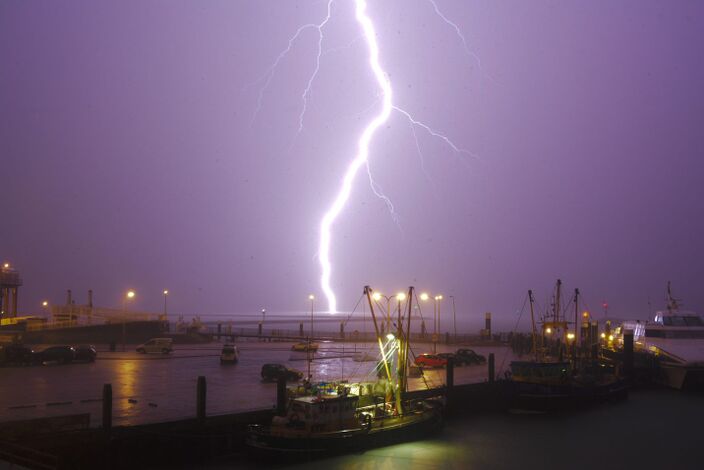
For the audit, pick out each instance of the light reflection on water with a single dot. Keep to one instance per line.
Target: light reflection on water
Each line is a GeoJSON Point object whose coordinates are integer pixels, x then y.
{"type": "Point", "coordinates": [653, 429]}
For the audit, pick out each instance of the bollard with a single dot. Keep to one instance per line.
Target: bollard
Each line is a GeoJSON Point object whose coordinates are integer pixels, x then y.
{"type": "Point", "coordinates": [281, 396]}
{"type": "Point", "coordinates": [201, 393]}
{"type": "Point", "coordinates": [491, 367]}
{"type": "Point", "coordinates": [342, 330]}
{"type": "Point", "coordinates": [628, 354]}
{"type": "Point", "coordinates": [450, 384]}
{"type": "Point", "coordinates": [107, 407]}
{"type": "Point", "coordinates": [300, 329]}
{"type": "Point", "coordinates": [450, 373]}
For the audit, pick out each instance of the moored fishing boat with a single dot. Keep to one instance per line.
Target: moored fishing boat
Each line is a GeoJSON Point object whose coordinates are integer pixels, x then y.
{"type": "Point", "coordinates": [350, 417]}
{"type": "Point", "coordinates": [549, 383]}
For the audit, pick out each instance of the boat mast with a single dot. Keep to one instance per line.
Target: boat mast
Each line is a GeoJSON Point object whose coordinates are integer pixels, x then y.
{"type": "Point", "coordinates": [576, 320]}
{"type": "Point", "coordinates": [532, 322]}
{"type": "Point", "coordinates": [411, 294]}
{"type": "Point", "coordinates": [671, 301]}
{"type": "Point", "coordinates": [368, 293]}
{"type": "Point", "coordinates": [557, 309]}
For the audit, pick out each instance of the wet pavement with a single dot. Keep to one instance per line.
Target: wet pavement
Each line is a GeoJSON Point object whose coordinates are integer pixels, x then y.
{"type": "Point", "coordinates": [153, 388]}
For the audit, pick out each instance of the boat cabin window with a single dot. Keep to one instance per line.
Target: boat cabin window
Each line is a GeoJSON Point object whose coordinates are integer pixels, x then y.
{"type": "Point", "coordinates": [679, 320]}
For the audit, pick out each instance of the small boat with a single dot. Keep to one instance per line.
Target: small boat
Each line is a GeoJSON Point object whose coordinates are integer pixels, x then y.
{"type": "Point", "coordinates": [365, 356]}
{"type": "Point", "coordinates": [305, 346]}
{"type": "Point", "coordinates": [345, 417]}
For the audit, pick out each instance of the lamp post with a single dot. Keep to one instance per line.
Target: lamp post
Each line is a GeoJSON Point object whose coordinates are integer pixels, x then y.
{"type": "Point", "coordinates": [311, 297]}
{"type": "Point", "coordinates": [436, 327]}
{"type": "Point", "coordinates": [454, 317]}
{"type": "Point", "coordinates": [128, 296]}
{"type": "Point", "coordinates": [166, 292]}
{"type": "Point", "coordinates": [377, 296]}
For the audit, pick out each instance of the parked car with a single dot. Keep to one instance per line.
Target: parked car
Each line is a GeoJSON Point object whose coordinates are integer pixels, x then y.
{"type": "Point", "coordinates": [56, 354]}
{"type": "Point", "coordinates": [16, 354]}
{"type": "Point", "coordinates": [229, 354]}
{"type": "Point", "coordinates": [156, 345]}
{"type": "Point", "coordinates": [468, 356]}
{"type": "Point", "coordinates": [85, 353]}
{"type": "Point", "coordinates": [272, 372]}
{"type": "Point", "coordinates": [430, 360]}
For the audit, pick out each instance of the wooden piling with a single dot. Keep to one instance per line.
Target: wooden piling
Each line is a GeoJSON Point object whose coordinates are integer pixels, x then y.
{"type": "Point", "coordinates": [628, 354]}
{"type": "Point", "coordinates": [491, 367]}
{"type": "Point", "coordinates": [107, 407]}
{"type": "Point", "coordinates": [281, 396]}
{"type": "Point", "coordinates": [201, 393]}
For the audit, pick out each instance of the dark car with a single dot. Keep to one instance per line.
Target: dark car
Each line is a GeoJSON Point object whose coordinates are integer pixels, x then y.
{"type": "Point", "coordinates": [272, 372]}
{"type": "Point", "coordinates": [56, 354]}
{"type": "Point", "coordinates": [85, 353]}
{"type": "Point", "coordinates": [16, 354]}
{"type": "Point", "coordinates": [468, 356]}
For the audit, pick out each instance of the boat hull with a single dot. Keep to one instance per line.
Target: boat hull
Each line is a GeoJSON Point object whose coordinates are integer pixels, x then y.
{"type": "Point", "coordinates": [387, 431]}
{"type": "Point", "coordinates": [552, 397]}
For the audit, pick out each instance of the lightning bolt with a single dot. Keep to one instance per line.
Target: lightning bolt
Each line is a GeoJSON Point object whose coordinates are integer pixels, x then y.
{"type": "Point", "coordinates": [362, 156]}
{"type": "Point", "coordinates": [362, 152]}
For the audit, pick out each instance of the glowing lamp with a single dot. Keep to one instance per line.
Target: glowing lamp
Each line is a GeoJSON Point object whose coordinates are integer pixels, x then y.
{"type": "Point", "coordinates": [130, 294]}
{"type": "Point", "coordinates": [376, 296]}
{"type": "Point", "coordinates": [166, 292]}
{"type": "Point", "coordinates": [603, 335]}
{"type": "Point", "coordinates": [45, 303]}
{"type": "Point", "coordinates": [311, 297]}
{"type": "Point", "coordinates": [548, 330]}
{"type": "Point", "coordinates": [401, 296]}
{"type": "Point", "coordinates": [390, 337]}
{"type": "Point", "coordinates": [570, 336]}
{"type": "Point", "coordinates": [424, 296]}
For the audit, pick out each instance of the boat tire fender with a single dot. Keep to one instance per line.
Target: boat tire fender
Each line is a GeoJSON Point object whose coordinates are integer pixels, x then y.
{"type": "Point", "coordinates": [367, 421]}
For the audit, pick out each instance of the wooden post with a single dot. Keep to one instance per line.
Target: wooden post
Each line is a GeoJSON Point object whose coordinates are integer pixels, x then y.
{"type": "Point", "coordinates": [107, 407]}
{"type": "Point", "coordinates": [491, 367]}
{"type": "Point", "coordinates": [281, 396]}
{"type": "Point", "coordinates": [450, 384]}
{"type": "Point", "coordinates": [342, 330]}
{"type": "Point", "coordinates": [201, 392]}
{"type": "Point", "coordinates": [628, 354]}
{"type": "Point", "coordinates": [450, 373]}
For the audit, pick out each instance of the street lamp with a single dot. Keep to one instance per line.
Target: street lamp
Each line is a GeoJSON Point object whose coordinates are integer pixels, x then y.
{"type": "Point", "coordinates": [377, 296]}
{"type": "Point", "coordinates": [128, 296]}
{"type": "Point", "coordinates": [311, 297]}
{"type": "Point", "coordinates": [436, 327]}
{"type": "Point", "coordinates": [45, 303]}
{"type": "Point", "coordinates": [454, 316]}
{"type": "Point", "coordinates": [166, 292]}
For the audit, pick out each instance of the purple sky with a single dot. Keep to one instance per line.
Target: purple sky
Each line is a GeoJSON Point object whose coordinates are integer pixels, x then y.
{"type": "Point", "coordinates": [130, 157]}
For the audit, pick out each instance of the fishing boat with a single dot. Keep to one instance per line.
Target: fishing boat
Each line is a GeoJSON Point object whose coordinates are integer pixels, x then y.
{"type": "Point", "coordinates": [353, 417]}
{"type": "Point", "coordinates": [549, 382]}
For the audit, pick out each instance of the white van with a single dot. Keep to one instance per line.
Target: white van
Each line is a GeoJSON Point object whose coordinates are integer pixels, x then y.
{"type": "Point", "coordinates": [156, 345]}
